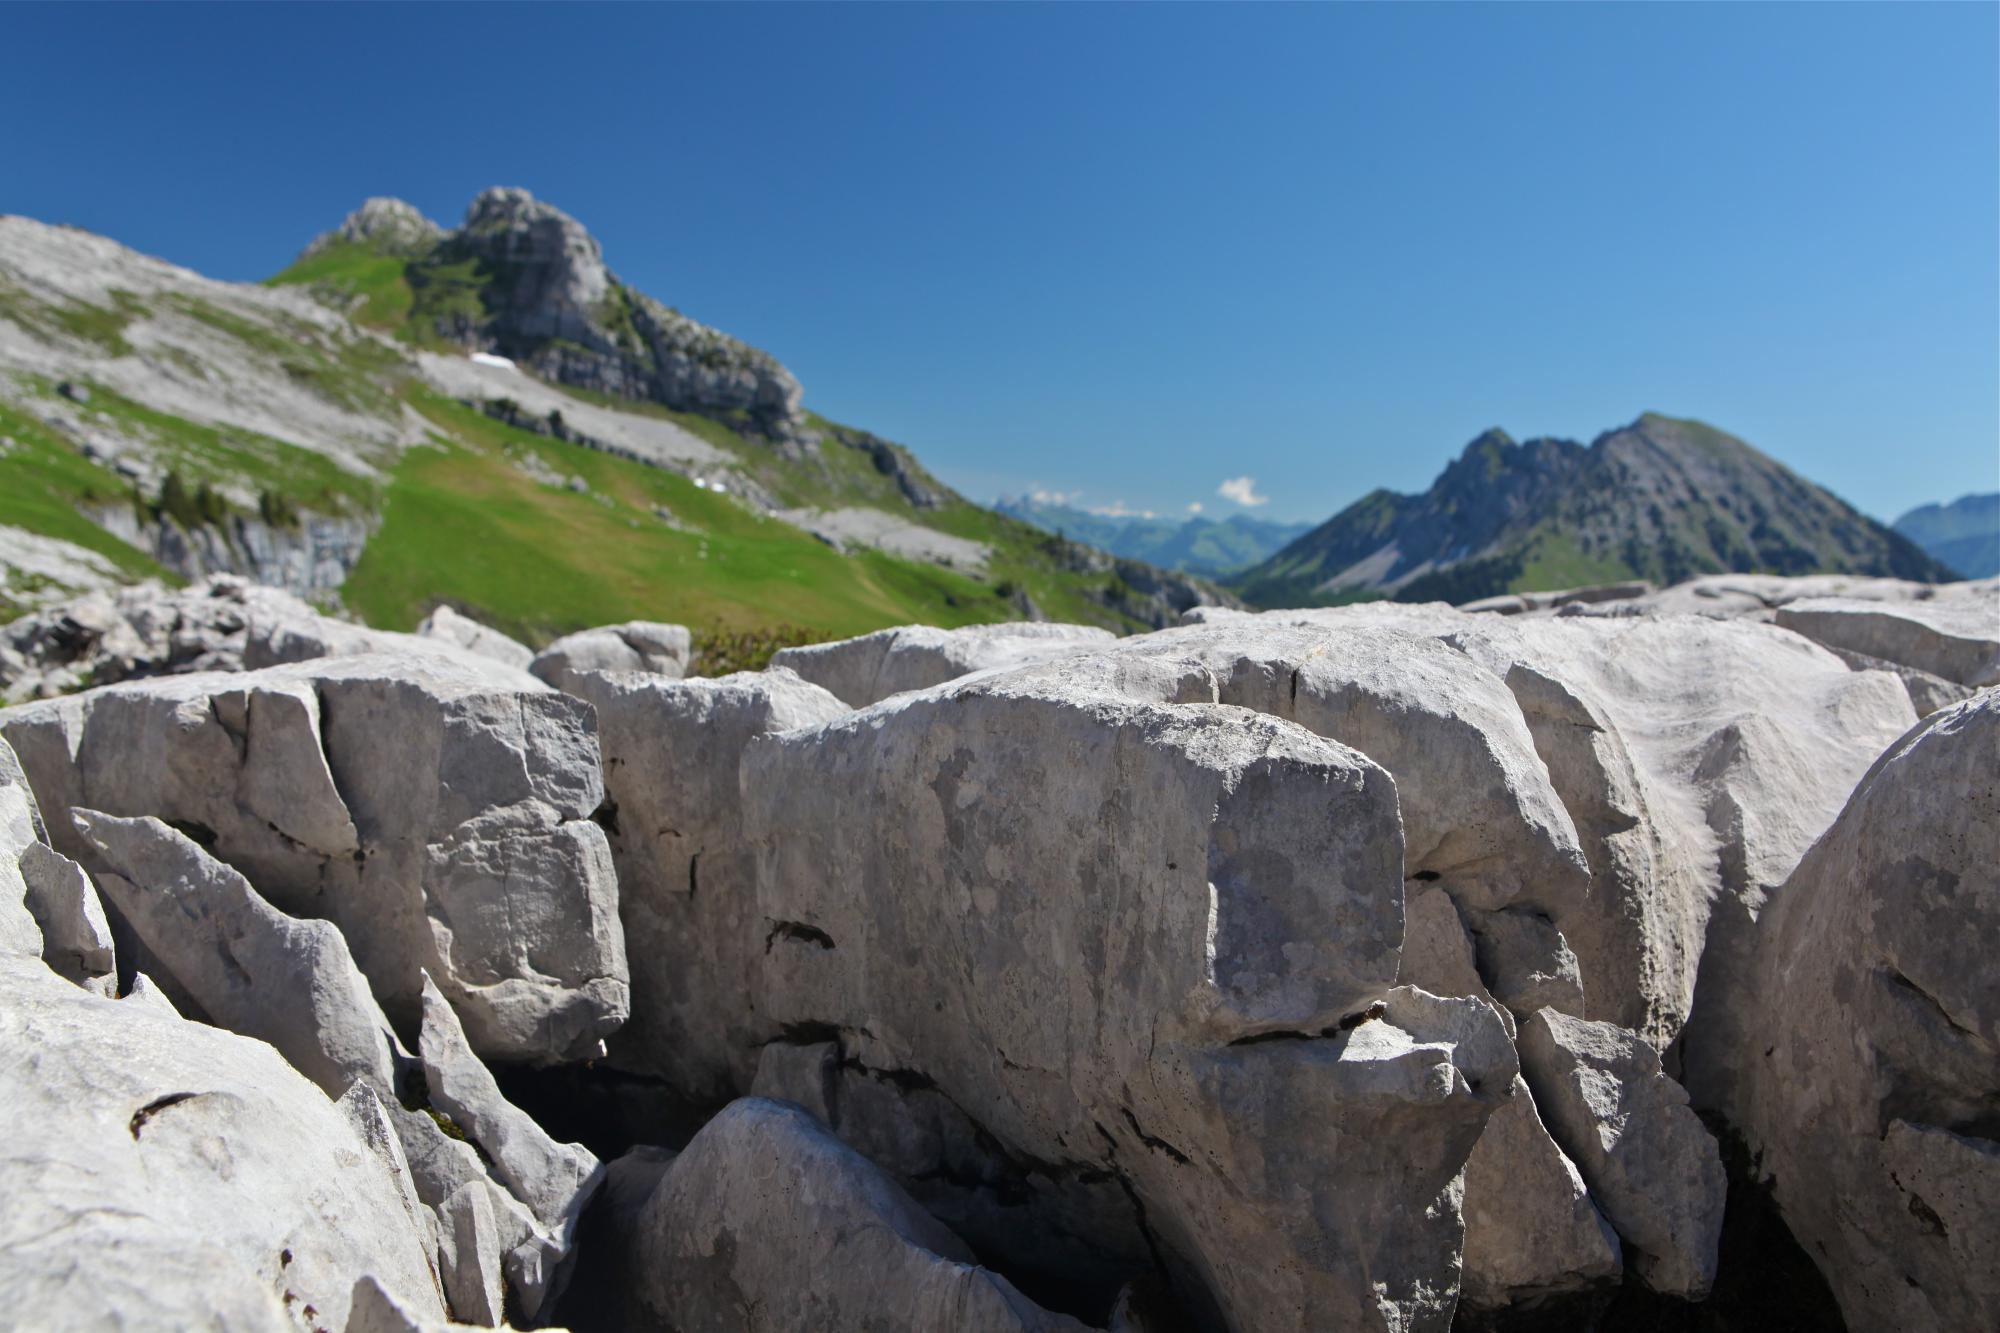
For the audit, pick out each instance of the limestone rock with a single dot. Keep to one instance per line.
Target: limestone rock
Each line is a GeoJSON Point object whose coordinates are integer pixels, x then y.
{"type": "Point", "coordinates": [768, 1222]}
{"type": "Point", "coordinates": [1531, 1229]}
{"type": "Point", "coordinates": [864, 670]}
{"type": "Point", "coordinates": [449, 626]}
{"type": "Point", "coordinates": [251, 968]}
{"type": "Point", "coordinates": [686, 871]}
{"type": "Point", "coordinates": [1528, 961]}
{"type": "Point", "coordinates": [469, 1257]}
{"type": "Point", "coordinates": [638, 645]}
{"type": "Point", "coordinates": [158, 1173]}
{"type": "Point", "coordinates": [1872, 1085]}
{"type": "Point", "coordinates": [1955, 635]}
{"type": "Point", "coordinates": [1480, 815]}
{"type": "Point", "coordinates": [441, 821]}
{"type": "Point", "coordinates": [20, 825]}
{"type": "Point", "coordinates": [1649, 1161]}
{"type": "Point", "coordinates": [553, 1179]}
{"type": "Point", "coordinates": [1173, 990]}
{"type": "Point", "coordinates": [76, 937]}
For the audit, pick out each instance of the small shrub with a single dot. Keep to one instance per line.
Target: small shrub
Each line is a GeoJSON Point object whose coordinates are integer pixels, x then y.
{"type": "Point", "coordinates": [719, 651]}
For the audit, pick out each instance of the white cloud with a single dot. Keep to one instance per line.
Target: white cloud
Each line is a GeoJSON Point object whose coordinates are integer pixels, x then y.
{"type": "Point", "coordinates": [1195, 508]}
{"type": "Point", "coordinates": [1118, 509]}
{"type": "Point", "coordinates": [1042, 497]}
{"type": "Point", "coordinates": [1243, 490]}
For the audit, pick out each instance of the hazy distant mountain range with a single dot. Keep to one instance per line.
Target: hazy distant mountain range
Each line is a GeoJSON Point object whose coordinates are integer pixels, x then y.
{"type": "Point", "coordinates": [1197, 545]}
{"type": "Point", "coordinates": [1659, 499]}
{"type": "Point", "coordinates": [1964, 534]}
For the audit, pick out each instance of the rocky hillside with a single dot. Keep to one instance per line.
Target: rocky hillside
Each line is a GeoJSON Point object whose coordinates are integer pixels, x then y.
{"type": "Point", "coordinates": [1205, 546]}
{"type": "Point", "coordinates": [1661, 499]}
{"type": "Point", "coordinates": [483, 418]}
{"type": "Point", "coordinates": [1964, 534]}
{"type": "Point", "coordinates": [1613, 971]}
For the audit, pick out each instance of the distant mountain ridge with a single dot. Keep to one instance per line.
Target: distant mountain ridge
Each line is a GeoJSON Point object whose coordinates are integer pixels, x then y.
{"type": "Point", "coordinates": [1195, 545]}
{"type": "Point", "coordinates": [1662, 499]}
{"type": "Point", "coordinates": [1964, 534]}
{"type": "Point", "coordinates": [597, 458]}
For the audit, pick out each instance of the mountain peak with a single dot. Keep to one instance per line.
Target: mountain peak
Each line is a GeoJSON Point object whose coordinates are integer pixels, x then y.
{"type": "Point", "coordinates": [1663, 498]}
{"type": "Point", "coordinates": [384, 224]}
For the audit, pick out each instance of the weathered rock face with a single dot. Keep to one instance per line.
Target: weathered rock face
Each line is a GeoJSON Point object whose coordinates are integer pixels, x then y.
{"type": "Point", "coordinates": [865, 670]}
{"type": "Point", "coordinates": [637, 645]}
{"type": "Point", "coordinates": [1531, 1230]}
{"type": "Point", "coordinates": [550, 303]}
{"type": "Point", "coordinates": [389, 224]}
{"type": "Point", "coordinates": [1648, 1159]}
{"type": "Point", "coordinates": [247, 966]}
{"type": "Point", "coordinates": [1955, 635]}
{"type": "Point", "coordinates": [767, 1222]}
{"type": "Point", "coordinates": [223, 623]}
{"type": "Point", "coordinates": [449, 626]}
{"type": "Point", "coordinates": [76, 937]}
{"type": "Point", "coordinates": [1170, 989]}
{"type": "Point", "coordinates": [442, 822]}
{"type": "Point", "coordinates": [1872, 1092]}
{"type": "Point", "coordinates": [694, 932]}
{"type": "Point", "coordinates": [158, 1173]}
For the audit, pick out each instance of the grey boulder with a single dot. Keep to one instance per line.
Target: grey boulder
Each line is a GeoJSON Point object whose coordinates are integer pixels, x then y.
{"type": "Point", "coordinates": [76, 937]}
{"type": "Point", "coordinates": [694, 934]}
{"type": "Point", "coordinates": [637, 645]}
{"type": "Point", "coordinates": [247, 966]}
{"type": "Point", "coordinates": [867, 669]}
{"type": "Point", "coordinates": [448, 626]}
{"type": "Point", "coordinates": [1871, 1093]}
{"type": "Point", "coordinates": [1954, 634]}
{"type": "Point", "coordinates": [768, 1223]}
{"type": "Point", "coordinates": [159, 1173]}
{"type": "Point", "coordinates": [440, 820]}
{"type": "Point", "coordinates": [1146, 937]}
{"type": "Point", "coordinates": [1647, 1157]}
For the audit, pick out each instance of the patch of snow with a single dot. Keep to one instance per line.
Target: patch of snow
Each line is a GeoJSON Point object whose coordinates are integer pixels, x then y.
{"type": "Point", "coordinates": [488, 359]}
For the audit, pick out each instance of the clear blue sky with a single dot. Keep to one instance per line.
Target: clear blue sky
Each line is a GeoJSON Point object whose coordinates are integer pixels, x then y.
{"type": "Point", "coordinates": [1133, 251]}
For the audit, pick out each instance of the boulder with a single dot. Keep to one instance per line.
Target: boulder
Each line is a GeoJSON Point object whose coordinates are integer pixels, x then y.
{"type": "Point", "coordinates": [1148, 940]}
{"type": "Point", "coordinates": [220, 623]}
{"type": "Point", "coordinates": [448, 626]}
{"type": "Point", "coordinates": [637, 645]}
{"type": "Point", "coordinates": [1649, 1161]}
{"type": "Point", "coordinates": [555, 1180]}
{"type": "Point", "coordinates": [76, 937]}
{"type": "Point", "coordinates": [1526, 961]}
{"type": "Point", "coordinates": [686, 872]}
{"type": "Point", "coordinates": [159, 1173]}
{"type": "Point", "coordinates": [1531, 1230]}
{"type": "Point", "coordinates": [1870, 1089]}
{"type": "Point", "coordinates": [247, 966]}
{"type": "Point", "coordinates": [20, 826]}
{"type": "Point", "coordinates": [442, 822]}
{"type": "Point", "coordinates": [1955, 635]}
{"type": "Point", "coordinates": [864, 670]}
{"type": "Point", "coordinates": [768, 1223]}
{"type": "Point", "coordinates": [469, 1257]}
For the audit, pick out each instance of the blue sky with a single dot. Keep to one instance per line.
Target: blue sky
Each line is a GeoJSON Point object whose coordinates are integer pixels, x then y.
{"type": "Point", "coordinates": [1134, 252]}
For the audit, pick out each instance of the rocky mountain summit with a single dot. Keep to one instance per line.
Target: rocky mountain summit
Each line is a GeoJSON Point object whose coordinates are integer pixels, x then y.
{"type": "Point", "coordinates": [1661, 499]}
{"type": "Point", "coordinates": [521, 278]}
{"type": "Point", "coordinates": [404, 395]}
{"type": "Point", "coordinates": [1596, 965]}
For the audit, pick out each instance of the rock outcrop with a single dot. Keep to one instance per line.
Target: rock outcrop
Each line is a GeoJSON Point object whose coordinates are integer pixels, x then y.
{"type": "Point", "coordinates": [1627, 1126]}
{"type": "Point", "coordinates": [440, 821]}
{"type": "Point", "coordinates": [638, 645]}
{"type": "Point", "coordinates": [1870, 1088]}
{"type": "Point", "coordinates": [1189, 993]}
{"type": "Point", "coordinates": [158, 1173]}
{"type": "Point", "coordinates": [449, 626]}
{"type": "Point", "coordinates": [870, 668]}
{"type": "Point", "coordinates": [243, 964]}
{"type": "Point", "coordinates": [695, 935]}
{"type": "Point", "coordinates": [768, 1223]}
